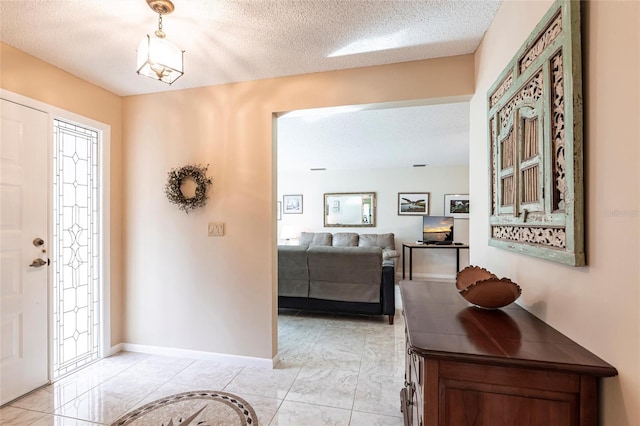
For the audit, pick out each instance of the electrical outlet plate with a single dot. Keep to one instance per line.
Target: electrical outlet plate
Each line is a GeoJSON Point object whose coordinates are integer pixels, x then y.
{"type": "Point", "coordinates": [216, 229]}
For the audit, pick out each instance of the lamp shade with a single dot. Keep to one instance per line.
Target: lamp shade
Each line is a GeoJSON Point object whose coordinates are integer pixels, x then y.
{"type": "Point", "coordinates": [288, 232]}
{"type": "Point", "coordinates": [160, 59]}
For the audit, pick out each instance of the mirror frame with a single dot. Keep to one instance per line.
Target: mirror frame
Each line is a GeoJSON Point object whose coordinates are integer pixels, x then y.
{"type": "Point", "coordinates": [325, 210]}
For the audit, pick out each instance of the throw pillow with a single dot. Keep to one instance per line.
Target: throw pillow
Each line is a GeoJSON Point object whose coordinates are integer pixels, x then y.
{"type": "Point", "coordinates": [315, 239]}
{"type": "Point", "coordinates": [384, 241]}
{"type": "Point", "coordinates": [345, 239]}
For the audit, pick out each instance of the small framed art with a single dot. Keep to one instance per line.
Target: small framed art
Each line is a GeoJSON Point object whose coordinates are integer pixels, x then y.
{"type": "Point", "coordinates": [456, 205]}
{"type": "Point", "coordinates": [292, 204]}
{"type": "Point", "coordinates": [413, 203]}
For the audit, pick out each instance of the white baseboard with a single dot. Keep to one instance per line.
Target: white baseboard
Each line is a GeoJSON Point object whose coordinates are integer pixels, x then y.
{"type": "Point", "coordinates": [245, 361]}
{"type": "Point", "coordinates": [417, 276]}
{"type": "Point", "coordinates": [114, 349]}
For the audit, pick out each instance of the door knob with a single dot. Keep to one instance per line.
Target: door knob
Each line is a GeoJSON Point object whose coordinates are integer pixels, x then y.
{"type": "Point", "coordinates": [38, 242]}
{"type": "Point", "coordinates": [38, 263]}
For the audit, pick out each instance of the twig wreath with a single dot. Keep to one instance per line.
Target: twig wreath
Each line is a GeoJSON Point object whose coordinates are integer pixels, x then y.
{"type": "Point", "coordinates": [198, 174]}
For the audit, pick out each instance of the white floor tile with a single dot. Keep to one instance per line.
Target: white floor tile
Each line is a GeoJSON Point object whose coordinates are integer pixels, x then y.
{"type": "Point", "coordinates": [379, 394]}
{"type": "Point", "coordinates": [207, 375]}
{"type": "Point", "coordinates": [330, 387]}
{"type": "Point", "coordinates": [110, 400]}
{"type": "Point", "coordinates": [51, 420]}
{"type": "Point", "coordinates": [334, 357]}
{"type": "Point", "coordinates": [43, 400]}
{"type": "Point", "coordinates": [271, 383]}
{"type": "Point", "coordinates": [297, 414]}
{"type": "Point", "coordinates": [334, 370]}
{"type": "Point", "coordinates": [264, 407]}
{"type": "Point", "coordinates": [367, 419]}
{"type": "Point", "coordinates": [165, 390]}
{"type": "Point", "coordinates": [160, 368]}
{"type": "Point", "coordinates": [13, 416]}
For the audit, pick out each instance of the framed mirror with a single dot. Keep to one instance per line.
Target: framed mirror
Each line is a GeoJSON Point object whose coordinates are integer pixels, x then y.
{"type": "Point", "coordinates": [350, 209]}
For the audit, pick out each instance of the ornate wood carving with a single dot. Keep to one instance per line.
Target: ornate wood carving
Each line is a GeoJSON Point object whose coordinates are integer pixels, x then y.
{"type": "Point", "coordinates": [557, 130]}
{"type": "Point", "coordinates": [494, 175]}
{"type": "Point", "coordinates": [504, 86]}
{"type": "Point", "coordinates": [532, 91]}
{"type": "Point", "coordinates": [550, 237]}
{"type": "Point", "coordinates": [544, 40]}
{"type": "Point", "coordinates": [535, 143]}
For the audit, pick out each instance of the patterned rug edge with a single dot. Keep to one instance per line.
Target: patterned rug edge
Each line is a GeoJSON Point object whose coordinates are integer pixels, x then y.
{"type": "Point", "coordinates": [246, 414]}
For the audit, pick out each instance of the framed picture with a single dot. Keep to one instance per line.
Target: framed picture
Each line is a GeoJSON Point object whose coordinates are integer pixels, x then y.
{"type": "Point", "coordinates": [456, 205]}
{"type": "Point", "coordinates": [292, 204]}
{"type": "Point", "coordinates": [279, 210]}
{"type": "Point", "coordinates": [413, 203]}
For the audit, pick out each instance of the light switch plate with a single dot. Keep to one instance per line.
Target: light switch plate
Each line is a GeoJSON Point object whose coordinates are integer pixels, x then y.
{"type": "Point", "coordinates": [216, 229]}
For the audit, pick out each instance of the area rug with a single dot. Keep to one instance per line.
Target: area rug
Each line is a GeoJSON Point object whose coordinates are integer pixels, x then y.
{"type": "Point", "coordinates": [201, 408]}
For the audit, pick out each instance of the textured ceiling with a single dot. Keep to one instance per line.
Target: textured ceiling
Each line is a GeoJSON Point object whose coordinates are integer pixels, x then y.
{"type": "Point", "coordinates": [347, 139]}
{"type": "Point", "coordinates": [230, 41]}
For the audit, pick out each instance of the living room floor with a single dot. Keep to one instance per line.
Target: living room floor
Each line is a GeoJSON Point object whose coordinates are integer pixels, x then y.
{"type": "Point", "coordinates": [334, 370]}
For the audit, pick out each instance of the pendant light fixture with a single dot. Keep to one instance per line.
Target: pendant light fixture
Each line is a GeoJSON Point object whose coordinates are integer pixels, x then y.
{"type": "Point", "coordinates": [157, 57]}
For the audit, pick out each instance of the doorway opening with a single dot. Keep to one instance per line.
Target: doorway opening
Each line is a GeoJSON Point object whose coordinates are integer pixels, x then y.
{"type": "Point", "coordinates": [383, 148]}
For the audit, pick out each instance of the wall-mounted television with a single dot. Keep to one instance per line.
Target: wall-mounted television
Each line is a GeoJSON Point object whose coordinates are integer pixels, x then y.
{"type": "Point", "coordinates": [437, 229]}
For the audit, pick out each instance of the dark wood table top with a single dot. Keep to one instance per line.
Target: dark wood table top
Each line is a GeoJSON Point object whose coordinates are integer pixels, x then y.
{"type": "Point", "coordinates": [441, 324]}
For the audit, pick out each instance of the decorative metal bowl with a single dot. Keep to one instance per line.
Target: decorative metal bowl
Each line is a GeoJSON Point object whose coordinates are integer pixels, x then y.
{"type": "Point", "coordinates": [484, 289]}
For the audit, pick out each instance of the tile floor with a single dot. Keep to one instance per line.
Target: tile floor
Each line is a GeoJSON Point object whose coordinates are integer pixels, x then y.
{"type": "Point", "coordinates": [334, 370]}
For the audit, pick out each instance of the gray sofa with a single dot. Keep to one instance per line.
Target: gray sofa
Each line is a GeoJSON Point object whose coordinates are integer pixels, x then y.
{"type": "Point", "coordinates": [352, 276]}
{"type": "Point", "coordinates": [351, 239]}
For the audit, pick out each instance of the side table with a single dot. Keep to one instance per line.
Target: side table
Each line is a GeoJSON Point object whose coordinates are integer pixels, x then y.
{"type": "Point", "coordinates": [412, 246]}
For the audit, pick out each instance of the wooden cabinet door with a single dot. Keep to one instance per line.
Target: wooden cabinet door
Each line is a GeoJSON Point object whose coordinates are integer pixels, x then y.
{"type": "Point", "coordinates": [465, 407]}
{"type": "Point", "coordinates": [482, 395]}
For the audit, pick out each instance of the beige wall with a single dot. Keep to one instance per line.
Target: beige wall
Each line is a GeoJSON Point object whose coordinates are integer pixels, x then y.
{"type": "Point", "coordinates": [596, 305]}
{"type": "Point", "coordinates": [23, 74]}
{"type": "Point", "coordinates": [216, 294]}
{"type": "Point", "coordinates": [186, 290]}
{"type": "Point", "coordinates": [387, 183]}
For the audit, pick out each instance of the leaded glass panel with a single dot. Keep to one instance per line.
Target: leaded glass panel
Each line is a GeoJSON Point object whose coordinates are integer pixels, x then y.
{"type": "Point", "coordinates": [76, 257]}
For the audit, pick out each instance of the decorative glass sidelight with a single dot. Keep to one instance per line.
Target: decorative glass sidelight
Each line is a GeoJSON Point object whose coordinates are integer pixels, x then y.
{"type": "Point", "coordinates": [77, 242]}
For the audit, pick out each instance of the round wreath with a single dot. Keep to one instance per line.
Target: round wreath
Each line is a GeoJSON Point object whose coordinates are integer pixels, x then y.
{"type": "Point", "coordinates": [177, 176]}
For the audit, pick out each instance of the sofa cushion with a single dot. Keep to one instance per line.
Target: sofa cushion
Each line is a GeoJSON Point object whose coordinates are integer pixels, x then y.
{"type": "Point", "coordinates": [349, 274]}
{"type": "Point", "coordinates": [293, 274]}
{"type": "Point", "coordinates": [315, 239]}
{"type": "Point", "coordinates": [384, 241]}
{"type": "Point", "coordinates": [345, 239]}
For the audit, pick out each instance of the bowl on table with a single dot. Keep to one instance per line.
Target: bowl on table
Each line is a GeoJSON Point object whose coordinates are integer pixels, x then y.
{"type": "Point", "coordinates": [484, 289]}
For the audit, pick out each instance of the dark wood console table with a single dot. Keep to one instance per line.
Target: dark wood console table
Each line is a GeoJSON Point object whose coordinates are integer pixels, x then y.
{"type": "Point", "coordinates": [412, 246]}
{"type": "Point", "coordinates": [468, 366]}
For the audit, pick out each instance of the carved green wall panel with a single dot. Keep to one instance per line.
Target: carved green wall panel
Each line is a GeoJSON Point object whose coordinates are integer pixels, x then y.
{"type": "Point", "coordinates": [535, 143]}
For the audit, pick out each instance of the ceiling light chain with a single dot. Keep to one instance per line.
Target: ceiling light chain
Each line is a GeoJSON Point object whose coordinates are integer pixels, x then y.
{"type": "Point", "coordinates": [159, 33]}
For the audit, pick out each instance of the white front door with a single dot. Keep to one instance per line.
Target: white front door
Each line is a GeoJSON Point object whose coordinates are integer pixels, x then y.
{"type": "Point", "coordinates": [24, 171]}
